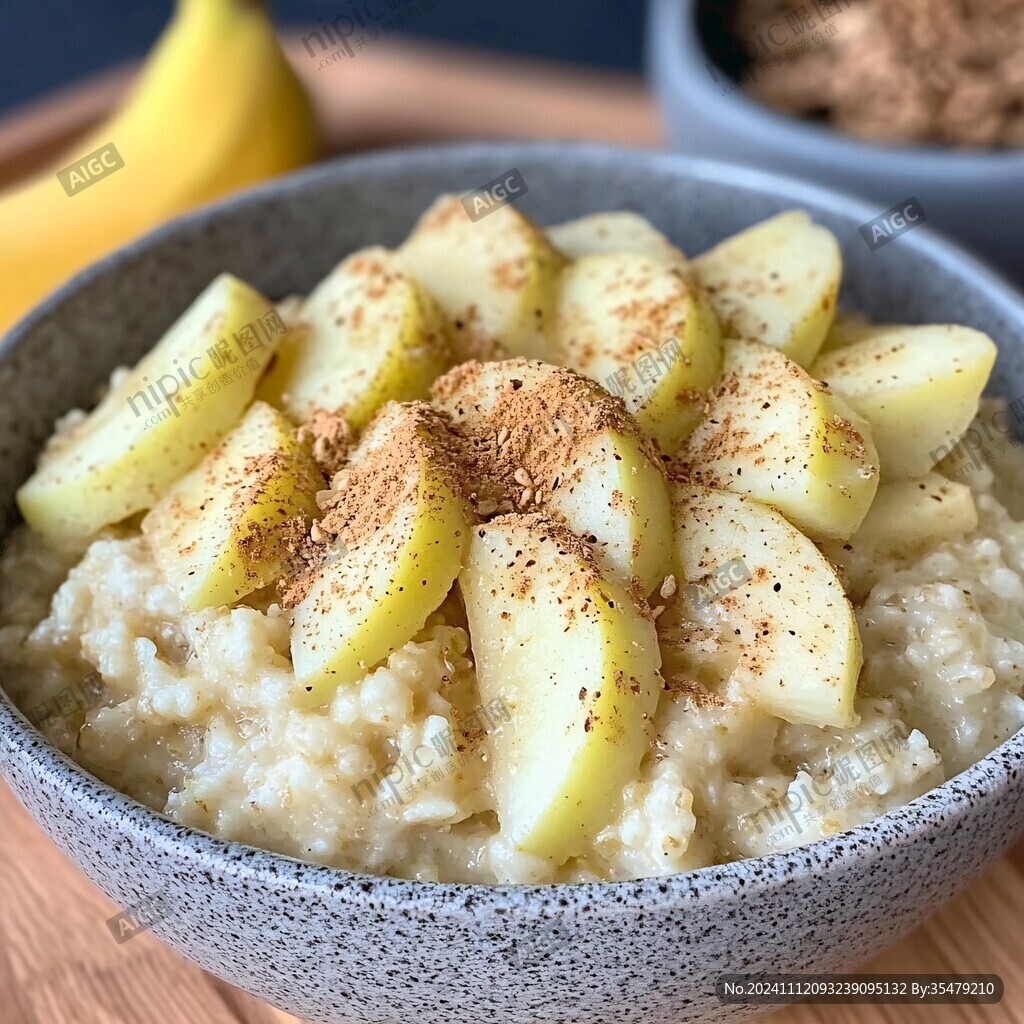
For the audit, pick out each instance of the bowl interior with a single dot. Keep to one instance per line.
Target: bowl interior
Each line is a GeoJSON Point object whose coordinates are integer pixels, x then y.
{"type": "Point", "coordinates": [285, 237]}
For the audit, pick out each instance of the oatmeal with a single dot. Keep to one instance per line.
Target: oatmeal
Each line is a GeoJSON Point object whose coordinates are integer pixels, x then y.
{"type": "Point", "coordinates": [503, 637]}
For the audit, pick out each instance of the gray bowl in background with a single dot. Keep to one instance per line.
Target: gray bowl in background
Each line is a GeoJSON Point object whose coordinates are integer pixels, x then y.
{"type": "Point", "coordinates": [331, 946]}
{"type": "Point", "coordinates": [973, 196]}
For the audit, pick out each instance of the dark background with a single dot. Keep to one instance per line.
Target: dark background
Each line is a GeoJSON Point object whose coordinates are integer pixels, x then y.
{"type": "Point", "coordinates": [48, 43]}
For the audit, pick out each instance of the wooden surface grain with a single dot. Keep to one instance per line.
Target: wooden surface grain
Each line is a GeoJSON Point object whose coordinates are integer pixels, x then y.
{"type": "Point", "coordinates": [58, 962]}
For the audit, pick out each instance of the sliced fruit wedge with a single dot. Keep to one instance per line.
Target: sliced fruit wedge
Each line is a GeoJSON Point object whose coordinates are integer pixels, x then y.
{"type": "Point", "coordinates": [910, 512]}
{"type": "Point", "coordinates": [848, 328]}
{"type": "Point", "coordinates": [776, 283]}
{"type": "Point", "coordinates": [544, 437]}
{"type": "Point", "coordinates": [905, 515]}
{"type": "Point", "coordinates": [617, 232]}
{"type": "Point", "coordinates": [369, 335]}
{"type": "Point", "coordinates": [918, 387]}
{"type": "Point", "coordinates": [494, 278]}
{"type": "Point", "coordinates": [156, 425]}
{"type": "Point", "coordinates": [775, 433]}
{"type": "Point", "coordinates": [575, 660]}
{"type": "Point", "coordinates": [639, 328]}
{"type": "Point", "coordinates": [221, 532]}
{"type": "Point", "coordinates": [399, 530]}
{"type": "Point", "coordinates": [790, 622]}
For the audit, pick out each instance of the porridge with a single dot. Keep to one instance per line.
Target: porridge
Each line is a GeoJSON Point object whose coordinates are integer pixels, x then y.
{"type": "Point", "coordinates": [569, 569]}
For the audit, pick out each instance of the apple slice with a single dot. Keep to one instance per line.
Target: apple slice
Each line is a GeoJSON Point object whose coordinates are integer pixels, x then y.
{"type": "Point", "coordinates": [617, 232]}
{"type": "Point", "coordinates": [399, 531]}
{"type": "Point", "coordinates": [905, 515]}
{"type": "Point", "coordinates": [542, 436]}
{"type": "Point", "coordinates": [918, 387]}
{"type": "Point", "coordinates": [775, 433]}
{"type": "Point", "coordinates": [776, 283]}
{"type": "Point", "coordinates": [369, 335]}
{"type": "Point", "coordinates": [791, 623]}
{"type": "Point", "coordinates": [639, 328]}
{"type": "Point", "coordinates": [848, 328]}
{"type": "Point", "coordinates": [494, 278]}
{"type": "Point", "coordinates": [575, 659]}
{"type": "Point", "coordinates": [220, 532]}
{"type": "Point", "coordinates": [160, 420]}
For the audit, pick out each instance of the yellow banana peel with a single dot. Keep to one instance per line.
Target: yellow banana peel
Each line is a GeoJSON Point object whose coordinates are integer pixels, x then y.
{"type": "Point", "coordinates": [217, 107]}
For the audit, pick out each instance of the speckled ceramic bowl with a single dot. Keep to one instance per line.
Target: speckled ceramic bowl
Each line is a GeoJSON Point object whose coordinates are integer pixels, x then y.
{"type": "Point", "coordinates": [336, 947]}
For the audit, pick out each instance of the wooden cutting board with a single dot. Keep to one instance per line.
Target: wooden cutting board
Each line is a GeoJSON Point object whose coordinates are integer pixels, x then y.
{"type": "Point", "coordinates": [58, 962]}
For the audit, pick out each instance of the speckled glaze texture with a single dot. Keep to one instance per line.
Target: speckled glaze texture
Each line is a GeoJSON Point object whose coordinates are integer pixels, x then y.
{"type": "Point", "coordinates": [334, 947]}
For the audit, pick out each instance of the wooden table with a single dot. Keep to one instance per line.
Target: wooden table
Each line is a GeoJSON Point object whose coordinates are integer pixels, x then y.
{"type": "Point", "coordinates": [58, 962]}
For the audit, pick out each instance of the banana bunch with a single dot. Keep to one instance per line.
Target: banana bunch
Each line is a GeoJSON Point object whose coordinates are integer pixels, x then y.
{"type": "Point", "coordinates": [217, 107]}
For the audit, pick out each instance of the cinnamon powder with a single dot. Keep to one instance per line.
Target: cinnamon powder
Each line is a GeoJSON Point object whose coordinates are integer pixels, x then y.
{"type": "Point", "coordinates": [516, 454]}
{"type": "Point", "coordinates": [939, 71]}
{"type": "Point", "coordinates": [365, 495]}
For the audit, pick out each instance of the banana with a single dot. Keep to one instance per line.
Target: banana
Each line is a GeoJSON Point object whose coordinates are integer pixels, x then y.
{"type": "Point", "coordinates": [217, 107]}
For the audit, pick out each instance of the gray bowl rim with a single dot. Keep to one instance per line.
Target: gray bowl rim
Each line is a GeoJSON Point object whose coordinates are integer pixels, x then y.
{"type": "Point", "coordinates": [979, 783]}
{"type": "Point", "coordinates": [672, 27]}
